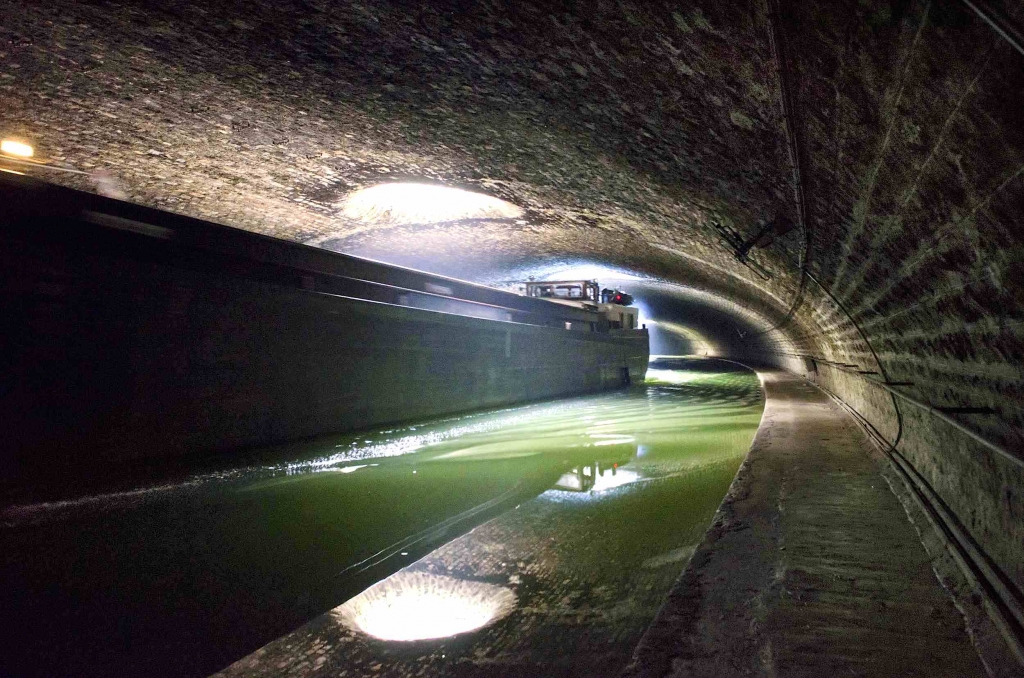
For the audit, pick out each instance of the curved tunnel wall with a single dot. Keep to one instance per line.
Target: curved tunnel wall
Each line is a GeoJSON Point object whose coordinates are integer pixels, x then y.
{"type": "Point", "coordinates": [625, 131]}
{"type": "Point", "coordinates": [914, 173]}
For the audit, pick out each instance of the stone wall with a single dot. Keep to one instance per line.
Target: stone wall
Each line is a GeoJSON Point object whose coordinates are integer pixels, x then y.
{"type": "Point", "coordinates": [915, 175]}
{"type": "Point", "coordinates": [625, 130]}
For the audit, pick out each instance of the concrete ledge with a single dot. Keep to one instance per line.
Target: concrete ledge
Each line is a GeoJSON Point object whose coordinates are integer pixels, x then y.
{"type": "Point", "coordinates": [810, 567]}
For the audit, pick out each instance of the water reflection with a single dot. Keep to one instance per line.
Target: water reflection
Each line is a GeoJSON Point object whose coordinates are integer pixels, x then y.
{"type": "Point", "coordinates": [411, 606]}
{"type": "Point", "coordinates": [279, 534]}
{"type": "Point", "coordinates": [546, 434]}
{"type": "Point", "coordinates": [597, 476]}
{"type": "Point", "coordinates": [632, 480]}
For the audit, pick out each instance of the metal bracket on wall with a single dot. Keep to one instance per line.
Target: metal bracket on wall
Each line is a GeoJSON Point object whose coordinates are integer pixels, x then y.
{"type": "Point", "coordinates": [741, 249]}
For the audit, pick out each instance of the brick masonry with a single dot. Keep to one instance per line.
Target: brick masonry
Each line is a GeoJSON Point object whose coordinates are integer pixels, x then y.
{"type": "Point", "coordinates": [624, 129]}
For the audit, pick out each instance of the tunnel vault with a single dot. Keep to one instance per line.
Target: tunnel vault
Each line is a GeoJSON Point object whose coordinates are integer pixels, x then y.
{"type": "Point", "coordinates": [627, 133]}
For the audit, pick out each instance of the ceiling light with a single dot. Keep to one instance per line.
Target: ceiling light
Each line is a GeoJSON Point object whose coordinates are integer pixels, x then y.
{"type": "Point", "coordinates": [407, 204]}
{"type": "Point", "coordinates": [16, 148]}
{"type": "Point", "coordinates": [584, 271]}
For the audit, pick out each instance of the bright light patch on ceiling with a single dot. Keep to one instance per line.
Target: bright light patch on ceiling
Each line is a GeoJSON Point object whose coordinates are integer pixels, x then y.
{"type": "Point", "coordinates": [583, 272]}
{"type": "Point", "coordinates": [16, 148]}
{"type": "Point", "coordinates": [407, 204]}
{"type": "Point", "coordinates": [419, 606]}
{"type": "Point", "coordinates": [591, 272]}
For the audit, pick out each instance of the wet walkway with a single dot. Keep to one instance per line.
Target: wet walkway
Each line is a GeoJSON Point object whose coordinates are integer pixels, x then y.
{"type": "Point", "coordinates": [811, 567]}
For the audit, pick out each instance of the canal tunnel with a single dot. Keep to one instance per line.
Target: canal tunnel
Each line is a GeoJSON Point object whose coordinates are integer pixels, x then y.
{"type": "Point", "coordinates": [816, 206]}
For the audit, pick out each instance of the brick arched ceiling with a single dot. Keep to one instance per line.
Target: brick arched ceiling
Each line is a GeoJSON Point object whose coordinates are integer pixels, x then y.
{"type": "Point", "coordinates": [624, 130]}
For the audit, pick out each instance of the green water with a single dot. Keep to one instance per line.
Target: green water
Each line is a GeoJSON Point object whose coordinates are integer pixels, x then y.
{"type": "Point", "coordinates": [589, 560]}
{"type": "Point", "coordinates": [185, 577]}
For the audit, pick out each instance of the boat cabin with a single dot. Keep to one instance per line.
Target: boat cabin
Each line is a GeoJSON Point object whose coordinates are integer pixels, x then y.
{"type": "Point", "coordinates": [613, 305]}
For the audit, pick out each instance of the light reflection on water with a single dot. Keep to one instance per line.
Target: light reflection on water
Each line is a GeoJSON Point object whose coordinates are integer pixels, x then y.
{"type": "Point", "coordinates": [659, 458]}
{"type": "Point", "coordinates": [263, 538]}
{"type": "Point", "coordinates": [420, 606]}
{"type": "Point", "coordinates": [594, 478]}
{"type": "Point", "coordinates": [567, 431]}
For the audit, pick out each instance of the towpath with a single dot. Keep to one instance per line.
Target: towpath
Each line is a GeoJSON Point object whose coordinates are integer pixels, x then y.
{"type": "Point", "coordinates": [811, 567]}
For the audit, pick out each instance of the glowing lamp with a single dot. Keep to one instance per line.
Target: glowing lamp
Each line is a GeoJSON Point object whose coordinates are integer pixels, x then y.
{"type": "Point", "coordinates": [411, 606]}
{"type": "Point", "coordinates": [401, 204]}
{"type": "Point", "coordinates": [16, 148]}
